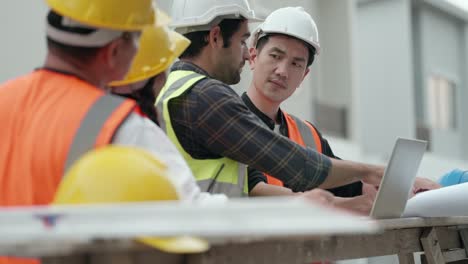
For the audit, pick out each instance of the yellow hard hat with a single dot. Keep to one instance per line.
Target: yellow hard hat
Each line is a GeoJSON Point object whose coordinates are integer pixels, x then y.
{"type": "Point", "coordinates": [131, 15]}
{"type": "Point", "coordinates": [117, 174]}
{"type": "Point", "coordinates": [159, 47]}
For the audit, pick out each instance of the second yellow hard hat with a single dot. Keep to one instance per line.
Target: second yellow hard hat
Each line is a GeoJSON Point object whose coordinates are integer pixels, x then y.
{"type": "Point", "coordinates": [159, 47]}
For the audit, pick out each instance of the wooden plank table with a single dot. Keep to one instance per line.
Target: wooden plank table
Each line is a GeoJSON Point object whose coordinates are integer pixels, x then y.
{"type": "Point", "coordinates": [439, 238]}
{"type": "Point", "coordinates": [240, 231]}
{"type": "Point", "coordinates": [105, 233]}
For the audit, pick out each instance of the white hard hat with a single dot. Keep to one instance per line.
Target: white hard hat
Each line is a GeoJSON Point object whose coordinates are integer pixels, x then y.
{"type": "Point", "coordinates": [291, 21]}
{"type": "Point", "coordinates": [200, 15]}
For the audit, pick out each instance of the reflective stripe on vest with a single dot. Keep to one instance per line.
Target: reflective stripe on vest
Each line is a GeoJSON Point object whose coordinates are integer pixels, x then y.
{"type": "Point", "coordinates": [97, 128]}
{"type": "Point", "coordinates": [221, 175]}
{"type": "Point", "coordinates": [303, 134]}
{"type": "Point", "coordinates": [171, 89]}
{"type": "Point", "coordinates": [212, 185]}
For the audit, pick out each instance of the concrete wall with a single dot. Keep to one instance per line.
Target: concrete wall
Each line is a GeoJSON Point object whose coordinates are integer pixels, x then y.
{"type": "Point", "coordinates": [463, 95]}
{"type": "Point", "coordinates": [385, 78]}
{"type": "Point", "coordinates": [337, 76]}
{"type": "Point", "coordinates": [442, 48]}
{"type": "Point", "coordinates": [23, 42]}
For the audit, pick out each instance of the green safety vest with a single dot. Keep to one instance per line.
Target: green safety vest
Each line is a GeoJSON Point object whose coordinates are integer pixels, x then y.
{"type": "Point", "coordinates": [222, 175]}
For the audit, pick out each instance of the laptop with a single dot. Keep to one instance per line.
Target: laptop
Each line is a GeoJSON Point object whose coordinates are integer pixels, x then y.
{"type": "Point", "coordinates": [398, 178]}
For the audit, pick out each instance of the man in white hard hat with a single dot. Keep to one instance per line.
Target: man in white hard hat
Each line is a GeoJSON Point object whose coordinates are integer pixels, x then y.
{"type": "Point", "coordinates": [283, 48]}
{"type": "Point", "coordinates": [217, 134]}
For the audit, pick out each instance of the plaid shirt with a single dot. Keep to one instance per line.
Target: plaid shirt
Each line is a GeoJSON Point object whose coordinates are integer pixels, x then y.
{"type": "Point", "coordinates": [211, 121]}
{"type": "Point", "coordinates": [350, 190]}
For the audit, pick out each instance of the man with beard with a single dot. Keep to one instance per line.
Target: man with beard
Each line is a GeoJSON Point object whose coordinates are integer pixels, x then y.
{"type": "Point", "coordinates": [217, 134]}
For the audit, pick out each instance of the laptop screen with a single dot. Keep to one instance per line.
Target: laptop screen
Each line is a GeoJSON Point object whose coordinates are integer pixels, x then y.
{"type": "Point", "coordinates": [398, 178]}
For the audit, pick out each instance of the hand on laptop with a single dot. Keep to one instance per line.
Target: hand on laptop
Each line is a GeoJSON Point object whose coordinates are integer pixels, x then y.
{"type": "Point", "coordinates": [373, 174]}
{"type": "Point", "coordinates": [369, 189]}
{"type": "Point", "coordinates": [362, 204]}
{"type": "Point", "coordinates": [422, 185]}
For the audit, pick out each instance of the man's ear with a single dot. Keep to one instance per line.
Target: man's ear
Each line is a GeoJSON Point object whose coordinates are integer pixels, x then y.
{"type": "Point", "coordinates": [252, 57]}
{"type": "Point", "coordinates": [215, 39]}
{"type": "Point", "coordinates": [305, 73]}
{"type": "Point", "coordinates": [303, 77]}
{"type": "Point", "coordinates": [111, 52]}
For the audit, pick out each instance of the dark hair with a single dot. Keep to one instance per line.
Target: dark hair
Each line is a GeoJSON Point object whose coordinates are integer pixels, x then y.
{"type": "Point", "coordinates": [199, 39]}
{"type": "Point", "coordinates": [263, 41]}
{"type": "Point", "coordinates": [145, 98]}
{"type": "Point", "coordinates": [82, 53]}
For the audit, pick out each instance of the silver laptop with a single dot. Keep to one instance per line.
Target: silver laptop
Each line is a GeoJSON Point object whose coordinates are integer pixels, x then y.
{"type": "Point", "coordinates": [398, 178]}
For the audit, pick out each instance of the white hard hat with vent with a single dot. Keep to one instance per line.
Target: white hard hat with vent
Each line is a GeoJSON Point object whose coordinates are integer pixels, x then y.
{"type": "Point", "coordinates": [200, 15]}
{"type": "Point", "coordinates": [291, 21]}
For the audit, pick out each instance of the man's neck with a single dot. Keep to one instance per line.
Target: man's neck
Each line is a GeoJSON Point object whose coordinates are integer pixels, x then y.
{"type": "Point", "coordinates": [87, 74]}
{"type": "Point", "coordinates": [263, 104]}
{"type": "Point", "coordinates": [204, 63]}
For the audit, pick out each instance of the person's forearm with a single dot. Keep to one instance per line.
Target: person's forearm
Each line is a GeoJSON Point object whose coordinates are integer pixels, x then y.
{"type": "Point", "coordinates": [263, 189]}
{"type": "Point", "coordinates": [344, 172]}
{"type": "Point", "coordinates": [300, 168]}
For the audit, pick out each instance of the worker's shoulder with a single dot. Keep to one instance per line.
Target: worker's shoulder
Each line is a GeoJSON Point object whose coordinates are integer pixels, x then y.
{"type": "Point", "coordinates": [212, 86]}
{"type": "Point", "coordinates": [314, 126]}
{"type": "Point", "coordinates": [136, 123]}
{"type": "Point", "coordinates": [208, 82]}
{"type": "Point", "coordinates": [307, 122]}
{"type": "Point", "coordinates": [298, 118]}
{"type": "Point", "coordinates": [17, 80]}
{"type": "Point", "coordinates": [19, 86]}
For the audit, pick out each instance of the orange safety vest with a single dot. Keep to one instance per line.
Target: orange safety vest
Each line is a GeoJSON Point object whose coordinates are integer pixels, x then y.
{"type": "Point", "coordinates": [49, 120]}
{"type": "Point", "coordinates": [301, 132]}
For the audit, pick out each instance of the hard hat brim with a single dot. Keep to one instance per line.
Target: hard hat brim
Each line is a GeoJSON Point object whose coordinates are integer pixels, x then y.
{"type": "Point", "coordinates": [177, 245]}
